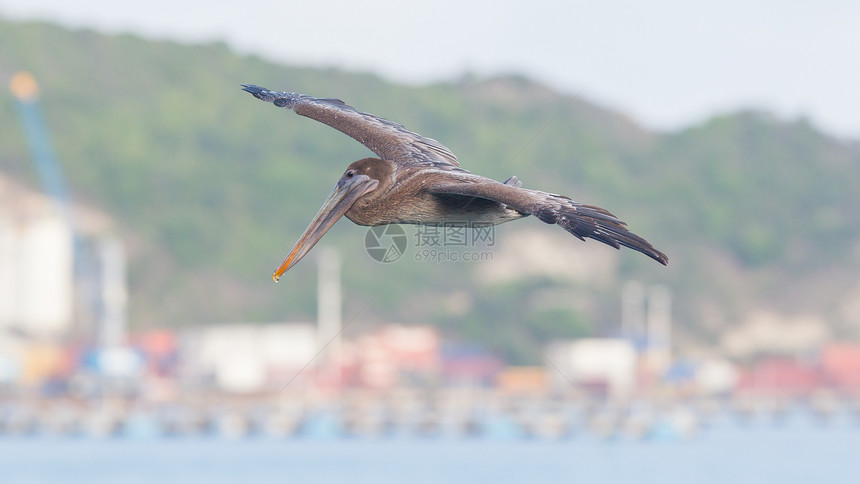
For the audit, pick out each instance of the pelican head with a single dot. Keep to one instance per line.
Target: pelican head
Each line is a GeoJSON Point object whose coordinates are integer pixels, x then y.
{"type": "Point", "coordinates": [359, 179]}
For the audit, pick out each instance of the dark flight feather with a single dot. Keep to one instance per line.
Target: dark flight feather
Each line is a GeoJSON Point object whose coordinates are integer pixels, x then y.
{"type": "Point", "coordinates": [583, 221]}
{"type": "Point", "coordinates": [389, 140]}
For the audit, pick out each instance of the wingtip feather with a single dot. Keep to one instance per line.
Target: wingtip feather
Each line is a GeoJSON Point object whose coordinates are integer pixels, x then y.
{"type": "Point", "coordinates": [258, 92]}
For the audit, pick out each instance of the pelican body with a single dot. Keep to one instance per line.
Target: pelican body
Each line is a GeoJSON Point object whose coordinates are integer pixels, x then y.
{"type": "Point", "coordinates": [417, 180]}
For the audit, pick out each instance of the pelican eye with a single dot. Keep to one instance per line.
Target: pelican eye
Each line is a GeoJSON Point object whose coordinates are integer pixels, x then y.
{"type": "Point", "coordinates": [350, 173]}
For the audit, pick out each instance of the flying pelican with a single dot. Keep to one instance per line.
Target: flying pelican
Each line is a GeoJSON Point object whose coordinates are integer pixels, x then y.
{"type": "Point", "coordinates": [417, 180]}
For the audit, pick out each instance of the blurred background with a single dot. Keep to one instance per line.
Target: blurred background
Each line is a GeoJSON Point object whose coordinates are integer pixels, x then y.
{"type": "Point", "coordinates": [144, 201]}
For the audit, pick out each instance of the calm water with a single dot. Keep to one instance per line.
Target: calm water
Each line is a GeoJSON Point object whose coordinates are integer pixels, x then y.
{"type": "Point", "coordinates": [795, 451]}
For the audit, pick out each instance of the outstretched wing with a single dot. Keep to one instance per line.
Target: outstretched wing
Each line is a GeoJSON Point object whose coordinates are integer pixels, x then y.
{"type": "Point", "coordinates": [389, 140]}
{"type": "Point", "coordinates": [579, 219]}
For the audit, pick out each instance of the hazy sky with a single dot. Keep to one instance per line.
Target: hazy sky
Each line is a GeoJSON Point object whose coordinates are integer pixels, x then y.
{"type": "Point", "coordinates": [667, 63]}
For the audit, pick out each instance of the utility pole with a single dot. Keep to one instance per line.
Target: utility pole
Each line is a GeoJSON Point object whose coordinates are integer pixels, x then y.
{"type": "Point", "coordinates": [632, 310]}
{"type": "Point", "coordinates": [660, 325]}
{"type": "Point", "coordinates": [113, 331]}
{"type": "Point", "coordinates": [329, 311]}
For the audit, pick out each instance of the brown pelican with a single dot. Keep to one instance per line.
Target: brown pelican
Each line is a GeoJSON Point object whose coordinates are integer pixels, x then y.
{"type": "Point", "coordinates": [417, 180]}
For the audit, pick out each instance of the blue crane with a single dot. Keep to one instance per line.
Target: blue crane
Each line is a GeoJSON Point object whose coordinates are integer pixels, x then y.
{"type": "Point", "coordinates": [89, 280]}
{"type": "Point", "coordinates": [25, 90]}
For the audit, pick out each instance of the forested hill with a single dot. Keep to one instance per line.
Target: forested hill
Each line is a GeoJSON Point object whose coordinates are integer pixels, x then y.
{"type": "Point", "coordinates": [210, 188]}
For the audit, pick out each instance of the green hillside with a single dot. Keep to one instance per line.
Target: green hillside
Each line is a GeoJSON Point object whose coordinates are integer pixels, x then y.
{"type": "Point", "coordinates": [211, 188]}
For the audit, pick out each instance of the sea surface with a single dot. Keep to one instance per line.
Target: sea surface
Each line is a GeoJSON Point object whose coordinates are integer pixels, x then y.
{"type": "Point", "coordinates": [796, 449]}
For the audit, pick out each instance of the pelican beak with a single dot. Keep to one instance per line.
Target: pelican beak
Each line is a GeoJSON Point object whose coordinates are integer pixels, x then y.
{"type": "Point", "coordinates": [345, 193]}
